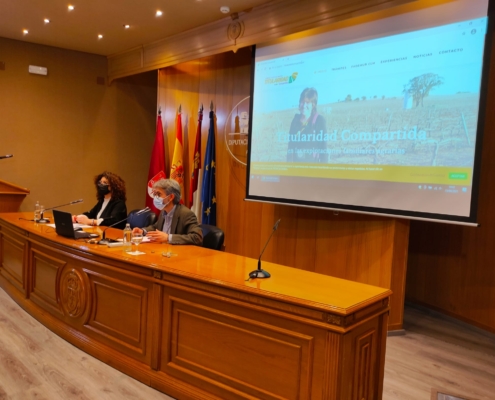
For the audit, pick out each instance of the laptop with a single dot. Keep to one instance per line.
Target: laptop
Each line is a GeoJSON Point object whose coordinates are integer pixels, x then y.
{"type": "Point", "coordinates": [64, 226]}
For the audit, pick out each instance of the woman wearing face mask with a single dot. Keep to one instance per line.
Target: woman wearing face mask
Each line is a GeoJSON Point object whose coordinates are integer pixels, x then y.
{"type": "Point", "coordinates": [111, 208]}
{"type": "Point", "coordinates": [307, 131]}
{"type": "Point", "coordinates": [176, 224]}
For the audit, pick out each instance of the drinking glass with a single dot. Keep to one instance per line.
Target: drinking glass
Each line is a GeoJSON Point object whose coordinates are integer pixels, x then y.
{"type": "Point", "coordinates": [137, 237]}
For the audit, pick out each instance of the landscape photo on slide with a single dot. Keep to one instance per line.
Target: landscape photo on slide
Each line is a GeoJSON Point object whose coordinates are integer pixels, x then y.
{"type": "Point", "coordinates": [414, 128]}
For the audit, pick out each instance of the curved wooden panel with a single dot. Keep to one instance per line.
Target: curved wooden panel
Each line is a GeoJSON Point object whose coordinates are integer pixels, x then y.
{"type": "Point", "coordinates": [192, 326]}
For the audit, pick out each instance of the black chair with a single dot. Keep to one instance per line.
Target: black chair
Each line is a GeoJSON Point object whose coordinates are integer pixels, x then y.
{"type": "Point", "coordinates": [142, 220]}
{"type": "Point", "coordinates": [212, 237]}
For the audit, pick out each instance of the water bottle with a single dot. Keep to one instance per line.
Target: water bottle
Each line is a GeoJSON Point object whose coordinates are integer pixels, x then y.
{"type": "Point", "coordinates": [127, 238]}
{"type": "Point", "coordinates": [37, 212]}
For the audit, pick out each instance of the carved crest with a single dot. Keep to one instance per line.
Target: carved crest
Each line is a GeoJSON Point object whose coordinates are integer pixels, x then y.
{"type": "Point", "coordinates": [72, 294]}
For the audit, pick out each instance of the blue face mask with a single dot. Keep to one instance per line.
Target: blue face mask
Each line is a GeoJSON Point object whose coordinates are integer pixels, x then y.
{"type": "Point", "coordinates": [158, 203]}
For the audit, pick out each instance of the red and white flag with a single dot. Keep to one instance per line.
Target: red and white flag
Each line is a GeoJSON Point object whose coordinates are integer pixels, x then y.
{"type": "Point", "coordinates": [177, 169]}
{"type": "Point", "coordinates": [157, 163]}
{"type": "Point", "coordinates": [197, 174]}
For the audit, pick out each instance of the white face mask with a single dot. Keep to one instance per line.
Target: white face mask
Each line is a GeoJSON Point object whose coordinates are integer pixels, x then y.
{"type": "Point", "coordinates": [158, 203]}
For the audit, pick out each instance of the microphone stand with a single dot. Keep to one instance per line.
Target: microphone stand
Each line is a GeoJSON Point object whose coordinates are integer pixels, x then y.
{"type": "Point", "coordinates": [105, 240]}
{"type": "Point", "coordinates": [44, 220]}
{"type": "Point", "coordinates": [261, 273]}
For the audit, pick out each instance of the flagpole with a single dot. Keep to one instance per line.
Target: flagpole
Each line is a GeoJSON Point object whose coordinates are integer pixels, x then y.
{"type": "Point", "coordinates": [197, 173]}
{"type": "Point", "coordinates": [209, 208]}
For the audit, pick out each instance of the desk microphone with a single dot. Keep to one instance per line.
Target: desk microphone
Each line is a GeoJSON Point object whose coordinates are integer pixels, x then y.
{"type": "Point", "coordinates": [46, 220]}
{"type": "Point", "coordinates": [106, 241]}
{"type": "Point", "coordinates": [7, 156]}
{"type": "Point", "coordinates": [260, 273]}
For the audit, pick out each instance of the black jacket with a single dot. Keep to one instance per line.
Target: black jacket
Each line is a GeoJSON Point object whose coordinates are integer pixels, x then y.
{"type": "Point", "coordinates": [113, 212]}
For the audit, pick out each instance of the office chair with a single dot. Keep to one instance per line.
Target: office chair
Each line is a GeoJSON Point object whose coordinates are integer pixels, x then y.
{"type": "Point", "coordinates": [140, 221]}
{"type": "Point", "coordinates": [212, 237]}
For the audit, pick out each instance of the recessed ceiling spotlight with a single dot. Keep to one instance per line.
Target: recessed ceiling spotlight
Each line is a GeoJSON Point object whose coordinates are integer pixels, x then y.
{"type": "Point", "coordinates": [158, 13]}
{"type": "Point", "coordinates": [25, 31]}
{"type": "Point", "coordinates": [100, 36]}
{"type": "Point", "coordinates": [225, 9]}
{"type": "Point", "coordinates": [70, 7]}
{"type": "Point", "coordinates": [47, 21]}
{"type": "Point", "coordinates": [126, 26]}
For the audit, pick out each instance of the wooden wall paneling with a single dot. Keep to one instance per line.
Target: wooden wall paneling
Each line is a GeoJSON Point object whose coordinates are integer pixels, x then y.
{"type": "Point", "coordinates": [223, 102]}
{"type": "Point", "coordinates": [243, 219]}
{"type": "Point", "coordinates": [355, 247]}
{"type": "Point", "coordinates": [305, 231]}
{"type": "Point", "coordinates": [283, 245]}
{"type": "Point", "coordinates": [399, 271]}
{"type": "Point", "coordinates": [450, 268]}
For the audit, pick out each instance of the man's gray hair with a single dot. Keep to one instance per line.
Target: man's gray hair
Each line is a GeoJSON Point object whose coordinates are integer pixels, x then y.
{"type": "Point", "coordinates": [169, 186]}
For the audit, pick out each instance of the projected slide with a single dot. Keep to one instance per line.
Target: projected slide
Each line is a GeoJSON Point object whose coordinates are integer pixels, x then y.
{"type": "Point", "coordinates": [376, 123]}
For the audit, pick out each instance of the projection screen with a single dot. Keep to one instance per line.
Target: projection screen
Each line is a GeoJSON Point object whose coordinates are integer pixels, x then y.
{"type": "Point", "coordinates": [383, 117]}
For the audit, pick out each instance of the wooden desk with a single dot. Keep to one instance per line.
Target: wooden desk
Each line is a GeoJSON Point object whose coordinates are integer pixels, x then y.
{"type": "Point", "coordinates": [191, 326]}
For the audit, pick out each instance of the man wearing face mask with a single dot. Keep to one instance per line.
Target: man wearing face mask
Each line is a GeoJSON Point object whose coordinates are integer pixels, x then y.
{"type": "Point", "coordinates": [176, 224]}
{"type": "Point", "coordinates": [111, 208]}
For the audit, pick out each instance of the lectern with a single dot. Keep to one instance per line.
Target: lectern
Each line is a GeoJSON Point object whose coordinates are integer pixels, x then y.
{"type": "Point", "coordinates": [11, 196]}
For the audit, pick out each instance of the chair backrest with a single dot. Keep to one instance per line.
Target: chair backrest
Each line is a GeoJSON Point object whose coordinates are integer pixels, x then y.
{"type": "Point", "coordinates": [142, 220]}
{"type": "Point", "coordinates": [212, 237]}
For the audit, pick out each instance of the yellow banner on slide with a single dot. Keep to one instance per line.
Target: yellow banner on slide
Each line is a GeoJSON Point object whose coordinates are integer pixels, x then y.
{"type": "Point", "coordinates": [387, 173]}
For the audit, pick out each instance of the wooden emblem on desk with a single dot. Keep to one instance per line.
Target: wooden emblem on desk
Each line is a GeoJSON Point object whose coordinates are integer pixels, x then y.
{"type": "Point", "coordinates": [72, 293]}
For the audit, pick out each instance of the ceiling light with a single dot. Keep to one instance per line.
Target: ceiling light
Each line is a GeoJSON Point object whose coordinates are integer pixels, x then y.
{"type": "Point", "coordinates": [47, 21]}
{"type": "Point", "coordinates": [225, 9]}
{"type": "Point", "coordinates": [126, 26]}
{"type": "Point", "coordinates": [158, 13]}
{"type": "Point", "coordinates": [100, 36]}
{"type": "Point", "coordinates": [25, 31]}
{"type": "Point", "coordinates": [70, 7]}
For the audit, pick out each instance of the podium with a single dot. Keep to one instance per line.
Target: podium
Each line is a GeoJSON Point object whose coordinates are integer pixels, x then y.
{"type": "Point", "coordinates": [11, 196]}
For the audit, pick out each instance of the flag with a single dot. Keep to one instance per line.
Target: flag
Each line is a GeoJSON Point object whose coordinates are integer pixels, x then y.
{"type": "Point", "coordinates": [209, 214]}
{"type": "Point", "coordinates": [177, 170]}
{"type": "Point", "coordinates": [194, 191]}
{"type": "Point", "coordinates": [157, 163]}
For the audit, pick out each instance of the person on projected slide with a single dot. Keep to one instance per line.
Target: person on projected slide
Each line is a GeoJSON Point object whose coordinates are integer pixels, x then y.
{"type": "Point", "coordinates": [307, 131]}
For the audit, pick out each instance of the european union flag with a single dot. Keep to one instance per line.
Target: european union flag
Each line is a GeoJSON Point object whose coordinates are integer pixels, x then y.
{"type": "Point", "coordinates": [208, 195]}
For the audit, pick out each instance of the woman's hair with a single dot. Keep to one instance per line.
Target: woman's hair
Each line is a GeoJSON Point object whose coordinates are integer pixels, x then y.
{"type": "Point", "coordinates": [169, 186]}
{"type": "Point", "coordinates": [116, 183]}
{"type": "Point", "coordinates": [309, 94]}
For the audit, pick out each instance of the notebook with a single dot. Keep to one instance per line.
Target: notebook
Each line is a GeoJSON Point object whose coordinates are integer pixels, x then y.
{"type": "Point", "coordinates": [64, 226]}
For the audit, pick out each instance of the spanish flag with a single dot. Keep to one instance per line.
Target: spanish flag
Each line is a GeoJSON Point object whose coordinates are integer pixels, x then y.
{"type": "Point", "coordinates": [177, 170]}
